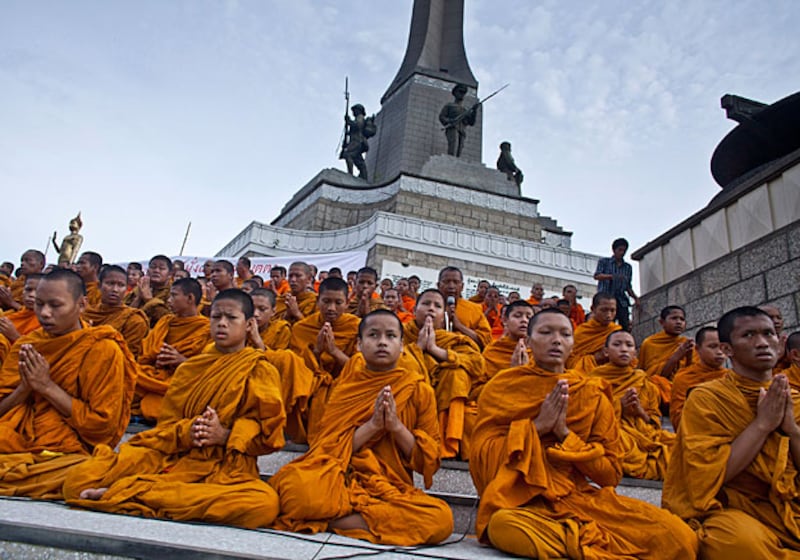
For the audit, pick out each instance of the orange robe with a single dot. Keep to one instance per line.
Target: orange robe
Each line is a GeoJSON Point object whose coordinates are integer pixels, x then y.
{"type": "Point", "coordinates": [155, 308]}
{"type": "Point", "coordinates": [409, 303]}
{"type": "Point", "coordinates": [495, 322]}
{"type": "Point", "coordinates": [756, 513]}
{"type": "Point", "coordinates": [577, 315]}
{"type": "Point", "coordinates": [498, 355]}
{"type": "Point", "coordinates": [471, 315]}
{"type": "Point", "coordinates": [475, 298]}
{"type": "Point", "coordinates": [332, 480]}
{"type": "Point", "coordinates": [375, 302]}
{"type": "Point", "coordinates": [297, 381]}
{"type": "Point", "coordinates": [653, 354]}
{"type": "Point", "coordinates": [25, 321]}
{"type": "Point", "coordinates": [37, 443]}
{"type": "Point", "coordinates": [132, 323]}
{"type": "Point", "coordinates": [589, 338]}
{"type": "Point", "coordinates": [93, 294]}
{"type": "Point", "coordinates": [453, 380]}
{"type": "Point", "coordinates": [793, 374]}
{"type": "Point", "coordinates": [188, 335]}
{"type": "Point", "coordinates": [646, 447]}
{"type": "Point", "coordinates": [404, 316]}
{"type": "Point", "coordinates": [5, 280]}
{"type": "Point", "coordinates": [307, 302]}
{"type": "Point", "coordinates": [277, 335]}
{"type": "Point", "coordinates": [536, 500]}
{"type": "Point", "coordinates": [160, 473]}
{"type": "Point", "coordinates": [533, 301]}
{"type": "Point", "coordinates": [686, 379]}
{"type": "Point", "coordinates": [17, 288]}
{"type": "Point", "coordinates": [280, 289]}
{"type": "Point", "coordinates": [325, 368]}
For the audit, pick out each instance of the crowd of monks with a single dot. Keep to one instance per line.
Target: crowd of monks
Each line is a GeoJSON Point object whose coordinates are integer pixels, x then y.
{"type": "Point", "coordinates": [550, 406]}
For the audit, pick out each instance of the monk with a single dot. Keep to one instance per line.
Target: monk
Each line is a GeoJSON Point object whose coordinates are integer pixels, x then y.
{"type": "Point", "coordinates": [379, 427]}
{"type": "Point", "coordinates": [131, 323]}
{"type": "Point", "coordinates": [64, 389]}
{"type": "Point", "coordinates": [6, 272]}
{"type": "Point", "coordinates": [792, 373]}
{"type": "Point", "coordinates": [480, 294]}
{"type": "Point", "coordinates": [645, 446]}
{"type": "Point", "coordinates": [175, 338]}
{"type": "Point", "coordinates": [404, 290]}
{"type": "Point", "coordinates": [493, 311]}
{"type": "Point", "coordinates": [299, 302]}
{"type": "Point", "coordinates": [14, 324]}
{"type": "Point", "coordinates": [590, 337]}
{"type": "Point", "coordinates": [709, 366]}
{"type": "Point", "coordinates": [32, 262]}
{"type": "Point", "coordinates": [243, 272]}
{"type": "Point", "coordinates": [222, 276]}
{"type": "Point", "coordinates": [152, 292]}
{"type": "Point", "coordinates": [576, 312]}
{"type": "Point", "coordinates": [199, 463]}
{"type": "Point", "coordinates": [464, 316]}
{"type": "Point", "coordinates": [88, 267]}
{"type": "Point", "coordinates": [543, 434]}
{"type": "Point", "coordinates": [739, 446]}
{"type": "Point", "coordinates": [777, 319]}
{"type": "Point", "coordinates": [134, 274]}
{"type": "Point", "coordinates": [537, 294]}
{"type": "Point", "coordinates": [511, 349]}
{"type": "Point", "coordinates": [453, 364]}
{"type": "Point", "coordinates": [391, 298]}
{"type": "Point", "coordinates": [364, 297]}
{"type": "Point", "coordinates": [663, 353]}
{"type": "Point", "coordinates": [325, 340]}
{"type": "Point", "coordinates": [277, 280]}
{"type": "Point", "coordinates": [275, 333]}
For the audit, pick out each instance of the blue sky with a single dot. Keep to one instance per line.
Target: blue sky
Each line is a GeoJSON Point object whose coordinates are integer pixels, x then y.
{"type": "Point", "coordinates": [146, 115]}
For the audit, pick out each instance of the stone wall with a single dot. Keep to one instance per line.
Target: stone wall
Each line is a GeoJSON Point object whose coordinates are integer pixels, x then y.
{"type": "Point", "coordinates": [766, 271]}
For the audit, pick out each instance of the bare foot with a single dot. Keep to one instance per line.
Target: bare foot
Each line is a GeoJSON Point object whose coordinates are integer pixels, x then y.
{"type": "Point", "coordinates": [93, 493]}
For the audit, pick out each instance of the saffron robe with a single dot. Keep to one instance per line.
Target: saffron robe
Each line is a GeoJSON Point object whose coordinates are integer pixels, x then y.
{"type": "Point", "coordinates": [793, 374]}
{"type": "Point", "coordinates": [25, 321]}
{"type": "Point", "coordinates": [188, 335]}
{"type": "Point", "coordinates": [589, 338]}
{"type": "Point", "coordinates": [757, 512]}
{"type": "Point", "coordinates": [37, 444]}
{"type": "Point", "coordinates": [93, 294]}
{"type": "Point", "coordinates": [453, 381]}
{"type": "Point", "coordinates": [297, 381]}
{"type": "Point", "coordinates": [409, 303]}
{"type": "Point", "coordinates": [646, 447]}
{"type": "Point", "coordinates": [497, 357]}
{"type": "Point", "coordinates": [17, 288]}
{"type": "Point", "coordinates": [160, 473]}
{"type": "Point", "coordinates": [306, 302]}
{"type": "Point", "coordinates": [282, 288]}
{"type": "Point", "coordinates": [471, 315]}
{"type": "Point", "coordinates": [375, 302]}
{"type": "Point", "coordinates": [155, 308]}
{"type": "Point", "coordinates": [495, 322]}
{"type": "Point", "coordinates": [404, 316]}
{"type": "Point", "coordinates": [536, 500]}
{"type": "Point", "coordinates": [577, 315]}
{"type": "Point", "coordinates": [685, 379]}
{"type": "Point", "coordinates": [332, 480]}
{"type": "Point", "coordinates": [277, 335]}
{"type": "Point", "coordinates": [654, 353]}
{"type": "Point", "coordinates": [131, 323]}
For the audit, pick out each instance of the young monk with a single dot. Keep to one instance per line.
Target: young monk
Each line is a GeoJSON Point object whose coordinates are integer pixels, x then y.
{"type": "Point", "coordinates": [664, 353]}
{"type": "Point", "coordinates": [222, 411]}
{"type": "Point", "coordinates": [364, 298]}
{"type": "Point", "coordinates": [493, 311]}
{"type": "Point", "coordinates": [299, 301]}
{"type": "Point", "coordinates": [453, 364]}
{"type": "Point", "coordinates": [645, 446]}
{"type": "Point", "coordinates": [777, 319]}
{"type": "Point", "coordinates": [64, 389]}
{"type": "Point", "coordinates": [480, 294]}
{"type": "Point", "coordinates": [275, 333]}
{"type": "Point", "coordinates": [32, 262]}
{"type": "Point", "coordinates": [792, 373]}
{"type": "Point", "coordinates": [709, 366]}
{"type": "Point", "coordinates": [134, 274]}
{"type": "Point", "coordinates": [391, 298]}
{"type": "Point", "coordinates": [131, 323]}
{"type": "Point", "coordinates": [543, 434]}
{"type": "Point", "coordinates": [733, 473]}
{"type": "Point", "coordinates": [404, 290]}
{"type": "Point", "coordinates": [175, 338]}
{"type": "Point", "coordinates": [576, 313]}
{"type": "Point", "coordinates": [222, 275]}
{"type": "Point", "coordinates": [511, 349]}
{"type": "Point", "coordinates": [14, 324]}
{"type": "Point", "coordinates": [88, 267]}
{"type": "Point", "coordinates": [379, 427]}
{"type": "Point", "coordinates": [277, 280]}
{"type": "Point", "coordinates": [590, 337]}
{"type": "Point", "coordinates": [325, 340]}
{"type": "Point", "coordinates": [465, 317]}
{"type": "Point", "coordinates": [152, 293]}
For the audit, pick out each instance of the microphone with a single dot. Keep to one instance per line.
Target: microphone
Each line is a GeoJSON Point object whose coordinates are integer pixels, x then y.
{"type": "Point", "coordinates": [448, 325]}
{"type": "Point", "coordinates": [451, 301]}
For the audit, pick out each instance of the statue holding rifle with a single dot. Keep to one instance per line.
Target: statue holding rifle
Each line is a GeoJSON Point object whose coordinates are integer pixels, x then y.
{"type": "Point", "coordinates": [356, 132]}
{"type": "Point", "coordinates": [456, 118]}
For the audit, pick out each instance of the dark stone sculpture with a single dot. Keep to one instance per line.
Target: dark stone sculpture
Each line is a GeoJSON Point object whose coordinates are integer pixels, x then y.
{"type": "Point", "coordinates": [456, 118]}
{"type": "Point", "coordinates": [358, 129]}
{"type": "Point", "coordinates": [505, 163]}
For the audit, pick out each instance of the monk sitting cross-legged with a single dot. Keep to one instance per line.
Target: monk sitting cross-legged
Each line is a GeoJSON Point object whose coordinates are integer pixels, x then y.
{"type": "Point", "coordinates": [645, 446]}
{"type": "Point", "coordinates": [378, 428]}
{"type": "Point", "coordinates": [465, 317]}
{"type": "Point", "coordinates": [64, 389]}
{"type": "Point", "coordinates": [132, 323]}
{"type": "Point", "coordinates": [662, 354]}
{"type": "Point", "coordinates": [223, 409]}
{"type": "Point", "coordinates": [14, 324]}
{"type": "Point", "coordinates": [546, 438]}
{"type": "Point", "coordinates": [590, 337]}
{"type": "Point", "coordinates": [275, 333]}
{"type": "Point", "coordinates": [511, 350]}
{"type": "Point", "coordinates": [174, 339]}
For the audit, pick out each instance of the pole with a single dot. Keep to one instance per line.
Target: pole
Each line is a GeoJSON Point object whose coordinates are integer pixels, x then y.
{"type": "Point", "coordinates": [185, 237]}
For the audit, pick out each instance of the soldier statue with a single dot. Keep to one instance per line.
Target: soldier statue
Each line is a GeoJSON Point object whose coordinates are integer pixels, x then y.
{"type": "Point", "coordinates": [456, 118]}
{"type": "Point", "coordinates": [357, 131]}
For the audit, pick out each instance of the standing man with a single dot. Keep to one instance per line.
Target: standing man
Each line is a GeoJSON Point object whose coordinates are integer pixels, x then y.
{"type": "Point", "coordinates": [613, 276]}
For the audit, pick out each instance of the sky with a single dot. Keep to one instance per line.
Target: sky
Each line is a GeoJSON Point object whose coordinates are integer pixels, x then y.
{"type": "Point", "coordinates": [148, 115]}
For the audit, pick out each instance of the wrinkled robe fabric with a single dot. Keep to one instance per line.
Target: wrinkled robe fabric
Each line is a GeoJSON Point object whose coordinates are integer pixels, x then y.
{"type": "Point", "coordinates": [37, 444]}
{"type": "Point", "coordinates": [471, 315]}
{"type": "Point", "coordinates": [131, 323]}
{"type": "Point", "coordinates": [494, 318]}
{"type": "Point", "coordinates": [332, 480]}
{"type": "Point", "coordinates": [498, 355]}
{"type": "Point", "coordinates": [757, 512]}
{"type": "Point", "coordinates": [156, 307]}
{"type": "Point", "coordinates": [160, 473]}
{"type": "Point", "coordinates": [793, 375]}
{"type": "Point", "coordinates": [646, 447]}
{"type": "Point", "coordinates": [297, 380]}
{"type": "Point", "coordinates": [536, 500]}
{"type": "Point", "coordinates": [306, 302]}
{"type": "Point", "coordinates": [277, 335]}
{"type": "Point", "coordinates": [654, 353]}
{"type": "Point", "coordinates": [25, 321]}
{"type": "Point", "coordinates": [589, 338]}
{"type": "Point", "coordinates": [93, 294]}
{"type": "Point", "coordinates": [686, 379]}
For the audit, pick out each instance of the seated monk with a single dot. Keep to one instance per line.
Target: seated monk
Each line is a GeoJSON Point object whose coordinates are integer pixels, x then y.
{"type": "Point", "coordinates": [452, 363]}
{"type": "Point", "coordinates": [275, 333]}
{"type": "Point", "coordinates": [88, 267]}
{"type": "Point", "coordinates": [404, 291]}
{"type": "Point", "coordinates": [325, 340]}
{"type": "Point", "coordinates": [14, 324]}
{"type": "Point", "coordinates": [134, 274]}
{"type": "Point", "coordinates": [364, 297]}
{"type": "Point", "coordinates": [152, 293]}
{"type": "Point", "coordinates": [277, 280]}
{"type": "Point", "coordinates": [379, 427]}
{"type": "Point", "coordinates": [576, 313]}
{"type": "Point", "coordinates": [537, 294]}
{"type": "Point", "coordinates": [545, 461]}
{"type": "Point", "coordinates": [733, 475]}
{"type": "Point", "coordinates": [299, 302]}
{"type": "Point", "coordinates": [32, 262]}
{"type": "Point", "coordinates": [493, 311]}
{"type": "Point", "coordinates": [64, 389]}
{"type": "Point", "coordinates": [590, 337]}
{"type": "Point", "coordinates": [480, 294]}
{"type": "Point", "coordinates": [645, 446]}
{"type": "Point", "coordinates": [6, 273]}
{"type": "Point", "coordinates": [131, 323]}
{"type": "Point", "coordinates": [464, 316]}
{"type": "Point", "coordinates": [222, 276]}
{"type": "Point", "coordinates": [664, 353]}
{"type": "Point", "coordinates": [391, 298]}
{"type": "Point", "coordinates": [223, 409]}
{"type": "Point", "coordinates": [511, 350]}
{"type": "Point", "coordinates": [175, 338]}
{"type": "Point", "coordinates": [710, 365]}
{"type": "Point", "coordinates": [243, 272]}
